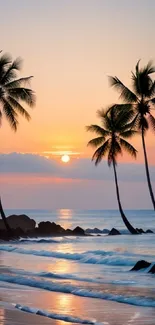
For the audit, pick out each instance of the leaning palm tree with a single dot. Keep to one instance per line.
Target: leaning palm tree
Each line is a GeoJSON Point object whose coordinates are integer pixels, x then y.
{"type": "Point", "coordinates": [141, 100]}
{"type": "Point", "coordinates": [111, 141]}
{"type": "Point", "coordinates": [13, 93]}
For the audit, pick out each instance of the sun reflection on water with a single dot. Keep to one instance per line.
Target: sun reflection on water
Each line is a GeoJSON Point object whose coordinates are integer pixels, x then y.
{"type": "Point", "coordinates": [65, 216]}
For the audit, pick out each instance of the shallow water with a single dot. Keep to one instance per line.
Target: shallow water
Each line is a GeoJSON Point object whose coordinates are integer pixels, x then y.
{"type": "Point", "coordinates": [80, 279]}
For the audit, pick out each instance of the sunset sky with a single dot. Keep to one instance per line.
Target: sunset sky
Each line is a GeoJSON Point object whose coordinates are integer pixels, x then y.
{"type": "Point", "coordinates": [70, 47]}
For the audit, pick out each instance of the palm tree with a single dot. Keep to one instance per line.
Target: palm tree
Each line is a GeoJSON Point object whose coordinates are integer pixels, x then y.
{"type": "Point", "coordinates": [13, 93]}
{"type": "Point", "coordinates": [141, 100]}
{"type": "Point", "coordinates": [110, 141]}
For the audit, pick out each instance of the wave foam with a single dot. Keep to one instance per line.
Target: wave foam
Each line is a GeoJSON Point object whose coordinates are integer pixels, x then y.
{"type": "Point", "coordinates": [63, 317]}
{"type": "Point", "coordinates": [90, 257]}
{"type": "Point", "coordinates": [77, 291]}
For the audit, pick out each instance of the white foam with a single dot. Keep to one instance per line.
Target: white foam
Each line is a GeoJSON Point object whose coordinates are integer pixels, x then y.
{"type": "Point", "coordinates": [90, 257]}
{"type": "Point", "coordinates": [75, 290]}
{"type": "Point", "coordinates": [66, 318]}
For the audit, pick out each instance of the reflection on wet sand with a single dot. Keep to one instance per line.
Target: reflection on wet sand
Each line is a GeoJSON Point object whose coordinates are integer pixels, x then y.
{"type": "Point", "coordinates": [2, 314]}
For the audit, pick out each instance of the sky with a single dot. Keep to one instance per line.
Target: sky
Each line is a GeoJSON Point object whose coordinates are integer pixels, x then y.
{"type": "Point", "coordinates": [70, 47]}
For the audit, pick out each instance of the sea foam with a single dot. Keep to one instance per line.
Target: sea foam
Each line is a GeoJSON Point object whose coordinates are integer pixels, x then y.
{"type": "Point", "coordinates": [66, 318]}
{"type": "Point", "coordinates": [90, 257]}
{"type": "Point", "coordinates": [77, 291]}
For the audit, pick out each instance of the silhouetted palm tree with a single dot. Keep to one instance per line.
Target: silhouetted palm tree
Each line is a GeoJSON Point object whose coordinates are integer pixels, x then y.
{"type": "Point", "coordinates": [141, 100]}
{"type": "Point", "coordinates": [13, 93]}
{"type": "Point", "coordinates": [111, 141]}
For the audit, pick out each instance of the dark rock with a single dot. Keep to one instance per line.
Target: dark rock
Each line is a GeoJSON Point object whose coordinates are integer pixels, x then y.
{"type": "Point", "coordinates": [142, 264]}
{"type": "Point", "coordinates": [105, 231]}
{"type": "Point", "coordinates": [19, 221]}
{"type": "Point", "coordinates": [47, 227]}
{"type": "Point", "coordinates": [93, 231]}
{"type": "Point", "coordinates": [78, 231]}
{"type": "Point", "coordinates": [140, 231]}
{"type": "Point", "coordinates": [114, 232]}
{"type": "Point", "coordinates": [152, 270]}
{"type": "Point", "coordinates": [18, 232]}
{"type": "Point", "coordinates": [148, 231]}
{"type": "Point", "coordinates": [69, 230]}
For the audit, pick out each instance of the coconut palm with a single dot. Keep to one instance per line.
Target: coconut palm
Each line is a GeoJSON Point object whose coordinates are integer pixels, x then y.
{"type": "Point", "coordinates": [142, 101]}
{"type": "Point", "coordinates": [111, 141]}
{"type": "Point", "coordinates": [13, 94]}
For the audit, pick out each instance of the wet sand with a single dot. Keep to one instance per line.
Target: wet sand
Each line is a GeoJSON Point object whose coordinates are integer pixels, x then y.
{"type": "Point", "coordinates": [107, 312]}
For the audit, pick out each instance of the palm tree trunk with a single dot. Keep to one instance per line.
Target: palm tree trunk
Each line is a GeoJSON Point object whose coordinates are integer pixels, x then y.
{"type": "Point", "coordinates": [127, 223]}
{"type": "Point", "coordinates": [4, 219]}
{"type": "Point", "coordinates": [147, 170]}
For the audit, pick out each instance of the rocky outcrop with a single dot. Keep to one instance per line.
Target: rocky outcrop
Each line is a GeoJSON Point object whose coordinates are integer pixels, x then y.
{"type": "Point", "coordinates": [114, 232]}
{"type": "Point", "coordinates": [140, 231]}
{"type": "Point", "coordinates": [142, 264]}
{"type": "Point", "coordinates": [78, 231]}
{"type": "Point", "coordinates": [152, 270]}
{"type": "Point", "coordinates": [49, 228]}
{"type": "Point", "coordinates": [96, 231]}
{"type": "Point", "coordinates": [148, 231]}
{"type": "Point", "coordinates": [19, 221]}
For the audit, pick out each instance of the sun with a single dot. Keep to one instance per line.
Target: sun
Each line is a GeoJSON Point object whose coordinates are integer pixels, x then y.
{"type": "Point", "coordinates": [65, 158]}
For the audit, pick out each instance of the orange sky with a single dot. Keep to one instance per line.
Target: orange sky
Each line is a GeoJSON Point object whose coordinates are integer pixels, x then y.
{"type": "Point", "coordinates": [70, 47]}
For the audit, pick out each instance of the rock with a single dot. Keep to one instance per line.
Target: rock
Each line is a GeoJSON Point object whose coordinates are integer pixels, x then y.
{"type": "Point", "coordinates": [18, 232]}
{"type": "Point", "coordinates": [148, 231]}
{"type": "Point", "coordinates": [19, 221]}
{"type": "Point", "coordinates": [114, 232]}
{"type": "Point", "coordinates": [142, 264]}
{"type": "Point", "coordinates": [152, 270]}
{"type": "Point", "coordinates": [78, 231]}
{"type": "Point", "coordinates": [47, 228]}
{"type": "Point", "coordinates": [93, 231]}
{"type": "Point", "coordinates": [140, 231]}
{"type": "Point", "coordinates": [105, 231]}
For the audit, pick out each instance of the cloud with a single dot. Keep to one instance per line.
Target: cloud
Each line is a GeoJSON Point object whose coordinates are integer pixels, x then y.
{"type": "Point", "coordinates": [81, 168]}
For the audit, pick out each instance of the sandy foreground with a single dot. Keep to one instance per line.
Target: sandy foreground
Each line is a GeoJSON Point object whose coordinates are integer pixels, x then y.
{"type": "Point", "coordinates": [112, 314]}
{"type": "Point", "coordinates": [15, 317]}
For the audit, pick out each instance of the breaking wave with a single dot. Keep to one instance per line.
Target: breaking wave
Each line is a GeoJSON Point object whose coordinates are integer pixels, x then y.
{"type": "Point", "coordinates": [77, 291]}
{"type": "Point", "coordinates": [89, 257]}
{"type": "Point", "coordinates": [65, 318]}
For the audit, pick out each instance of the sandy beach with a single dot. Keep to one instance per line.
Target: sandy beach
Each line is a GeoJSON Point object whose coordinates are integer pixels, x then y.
{"type": "Point", "coordinates": [105, 312]}
{"type": "Point", "coordinates": [111, 313]}
{"type": "Point", "coordinates": [82, 280]}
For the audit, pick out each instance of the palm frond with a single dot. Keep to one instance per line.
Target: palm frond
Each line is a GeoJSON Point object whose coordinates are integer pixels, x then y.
{"type": "Point", "coordinates": [18, 82]}
{"type": "Point", "coordinates": [128, 134]}
{"type": "Point", "coordinates": [97, 129]}
{"type": "Point", "coordinates": [24, 94]}
{"type": "Point", "coordinates": [11, 71]}
{"type": "Point", "coordinates": [103, 112]}
{"type": "Point", "coordinates": [100, 152]}
{"type": "Point", "coordinates": [10, 114]}
{"type": "Point", "coordinates": [96, 141]}
{"type": "Point", "coordinates": [5, 60]}
{"type": "Point", "coordinates": [128, 147]}
{"type": "Point", "coordinates": [152, 90]}
{"type": "Point", "coordinates": [19, 108]}
{"type": "Point", "coordinates": [1, 116]}
{"type": "Point", "coordinates": [126, 94]}
{"type": "Point", "coordinates": [151, 121]}
{"type": "Point", "coordinates": [149, 69]}
{"type": "Point", "coordinates": [152, 100]}
{"type": "Point", "coordinates": [142, 82]}
{"type": "Point", "coordinates": [123, 118]}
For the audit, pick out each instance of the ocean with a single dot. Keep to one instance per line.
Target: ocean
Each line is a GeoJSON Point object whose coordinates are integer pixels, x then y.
{"type": "Point", "coordinates": [83, 280]}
